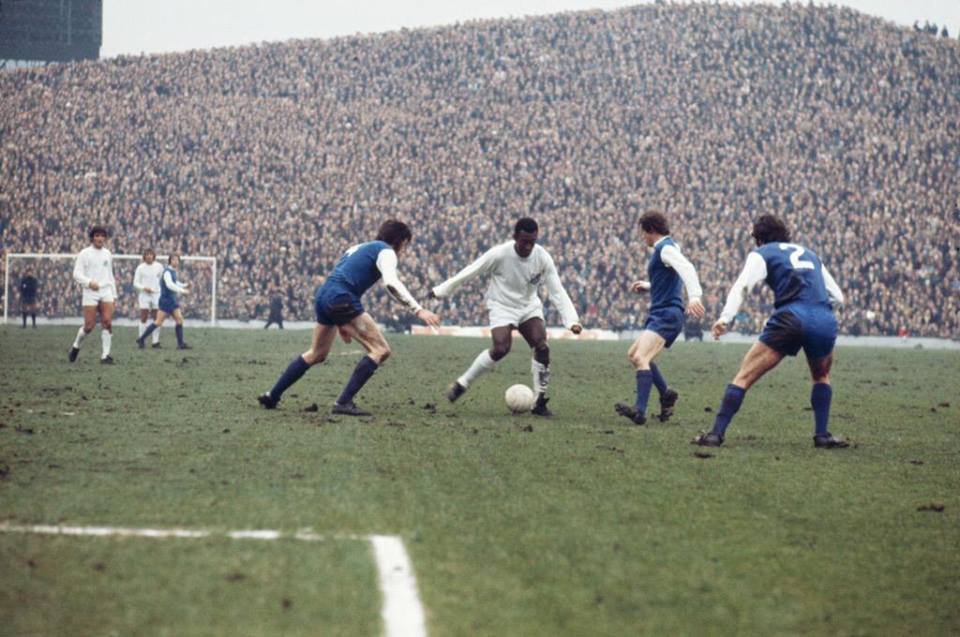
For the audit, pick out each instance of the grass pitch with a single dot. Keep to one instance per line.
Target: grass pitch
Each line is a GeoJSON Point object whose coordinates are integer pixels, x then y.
{"type": "Point", "coordinates": [581, 525]}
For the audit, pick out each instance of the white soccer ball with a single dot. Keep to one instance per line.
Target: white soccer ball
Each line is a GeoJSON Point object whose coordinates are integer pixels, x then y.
{"type": "Point", "coordinates": [519, 398]}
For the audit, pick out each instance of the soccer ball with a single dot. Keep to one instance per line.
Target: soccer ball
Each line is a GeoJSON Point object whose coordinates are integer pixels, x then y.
{"type": "Point", "coordinates": [519, 398]}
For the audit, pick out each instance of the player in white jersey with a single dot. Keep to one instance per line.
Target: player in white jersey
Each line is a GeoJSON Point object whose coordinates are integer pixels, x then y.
{"type": "Point", "coordinates": [94, 272]}
{"type": "Point", "coordinates": [146, 280]}
{"type": "Point", "coordinates": [516, 269]}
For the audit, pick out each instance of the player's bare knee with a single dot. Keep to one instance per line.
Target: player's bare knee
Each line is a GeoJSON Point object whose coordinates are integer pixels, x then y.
{"type": "Point", "coordinates": [639, 360]}
{"type": "Point", "coordinates": [313, 358]}
{"type": "Point", "coordinates": [499, 350]}
{"type": "Point", "coordinates": [541, 352]}
{"type": "Point", "coordinates": [381, 354]}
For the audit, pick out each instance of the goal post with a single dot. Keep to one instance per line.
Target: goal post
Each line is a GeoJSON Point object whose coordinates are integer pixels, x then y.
{"type": "Point", "coordinates": [62, 271]}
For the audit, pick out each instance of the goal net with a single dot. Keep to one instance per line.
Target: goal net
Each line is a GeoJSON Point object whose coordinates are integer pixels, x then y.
{"type": "Point", "coordinates": [59, 296]}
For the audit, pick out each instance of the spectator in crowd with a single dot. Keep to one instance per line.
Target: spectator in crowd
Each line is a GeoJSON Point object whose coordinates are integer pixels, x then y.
{"type": "Point", "coordinates": [273, 157]}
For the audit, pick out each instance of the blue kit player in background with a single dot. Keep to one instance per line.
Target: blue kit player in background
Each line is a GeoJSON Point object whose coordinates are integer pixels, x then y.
{"type": "Point", "coordinates": [169, 305]}
{"type": "Point", "coordinates": [338, 309]}
{"type": "Point", "coordinates": [669, 271]}
{"type": "Point", "coordinates": [803, 318]}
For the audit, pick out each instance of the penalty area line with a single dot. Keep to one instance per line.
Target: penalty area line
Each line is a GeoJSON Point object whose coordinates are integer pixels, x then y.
{"type": "Point", "coordinates": [402, 611]}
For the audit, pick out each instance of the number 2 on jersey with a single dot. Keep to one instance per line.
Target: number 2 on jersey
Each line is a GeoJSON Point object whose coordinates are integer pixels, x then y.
{"type": "Point", "coordinates": [795, 254]}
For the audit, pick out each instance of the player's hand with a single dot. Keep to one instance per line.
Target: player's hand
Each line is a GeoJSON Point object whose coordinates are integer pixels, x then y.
{"type": "Point", "coordinates": [94, 286]}
{"type": "Point", "coordinates": [428, 317]}
{"type": "Point", "coordinates": [719, 329]}
{"type": "Point", "coordinates": [576, 328]}
{"type": "Point", "coordinates": [640, 286]}
{"type": "Point", "coordinates": [148, 290]}
{"type": "Point", "coordinates": [695, 308]}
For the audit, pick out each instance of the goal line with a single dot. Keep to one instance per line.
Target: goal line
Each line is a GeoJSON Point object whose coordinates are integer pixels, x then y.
{"type": "Point", "coordinates": [122, 257]}
{"type": "Point", "coordinates": [402, 611]}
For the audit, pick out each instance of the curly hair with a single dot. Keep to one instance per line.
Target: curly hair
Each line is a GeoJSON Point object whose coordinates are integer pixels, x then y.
{"type": "Point", "coordinates": [394, 232]}
{"type": "Point", "coordinates": [654, 221]}
{"type": "Point", "coordinates": [770, 229]}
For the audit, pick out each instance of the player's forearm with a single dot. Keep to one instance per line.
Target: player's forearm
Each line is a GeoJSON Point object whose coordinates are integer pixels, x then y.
{"type": "Point", "coordinates": [568, 313]}
{"type": "Point", "coordinates": [79, 276]}
{"type": "Point", "coordinates": [732, 306]}
{"type": "Point", "coordinates": [832, 288]}
{"type": "Point", "coordinates": [684, 269]}
{"type": "Point", "coordinates": [451, 285]}
{"type": "Point", "coordinates": [399, 292]}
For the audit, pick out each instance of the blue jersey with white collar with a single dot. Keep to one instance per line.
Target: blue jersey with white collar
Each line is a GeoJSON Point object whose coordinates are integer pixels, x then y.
{"type": "Point", "coordinates": [356, 271]}
{"type": "Point", "coordinates": [168, 296]}
{"type": "Point", "coordinates": [666, 286]}
{"type": "Point", "coordinates": [795, 275]}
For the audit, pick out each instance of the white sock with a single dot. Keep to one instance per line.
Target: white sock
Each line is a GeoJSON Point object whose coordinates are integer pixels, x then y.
{"type": "Point", "coordinates": [541, 376]}
{"type": "Point", "coordinates": [156, 335]}
{"type": "Point", "coordinates": [482, 364]}
{"type": "Point", "coordinates": [80, 336]}
{"type": "Point", "coordinates": [142, 329]}
{"type": "Point", "coordinates": [106, 339]}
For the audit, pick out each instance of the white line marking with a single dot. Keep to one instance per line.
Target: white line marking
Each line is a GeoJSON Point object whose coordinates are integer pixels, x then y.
{"type": "Point", "coordinates": [402, 612]}
{"type": "Point", "coordinates": [255, 535]}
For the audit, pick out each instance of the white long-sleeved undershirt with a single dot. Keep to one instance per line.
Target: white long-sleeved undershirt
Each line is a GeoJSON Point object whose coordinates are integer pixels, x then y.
{"type": "Point", "coordinates": [754, 271]}
{"type": "Point", "coordinates": [173, 285]}
{"type": "Point", "coordinates": [387, 264]}
{"type": "Point", "coordinates": [672, 256]}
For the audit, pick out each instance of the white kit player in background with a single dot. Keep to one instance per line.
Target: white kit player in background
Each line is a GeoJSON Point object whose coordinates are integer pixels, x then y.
{"type": "Point", "coordinates": [146, 280]}
{"type": "Point", "coordinates": [94, 272]}
{"type": "Point", "coordinates": [517, 268]}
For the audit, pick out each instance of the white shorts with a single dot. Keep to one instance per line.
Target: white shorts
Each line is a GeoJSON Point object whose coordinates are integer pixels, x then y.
{"type": "Point", "coordinates": [147, 301]}
{"type": "Point", "coordinates": [501, 316]}
{"type": "Point", "coordinates": [96, 297]}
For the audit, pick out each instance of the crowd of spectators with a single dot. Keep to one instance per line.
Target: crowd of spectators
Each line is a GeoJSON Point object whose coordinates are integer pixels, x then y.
{"type": "Point", "coordinates": [275, 158]}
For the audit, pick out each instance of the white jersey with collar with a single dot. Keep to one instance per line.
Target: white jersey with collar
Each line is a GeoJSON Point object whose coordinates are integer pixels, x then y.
{"type": "Point", "coordinates": [147, 275]}
{"type": "Point", "coordinates": [94, 265]}
{"type": "Point", "coordinates": [514, 280]}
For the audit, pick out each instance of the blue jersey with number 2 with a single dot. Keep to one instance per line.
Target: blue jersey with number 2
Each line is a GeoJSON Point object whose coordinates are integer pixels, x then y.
{"type": "Point", "coordinates": [795, 275]}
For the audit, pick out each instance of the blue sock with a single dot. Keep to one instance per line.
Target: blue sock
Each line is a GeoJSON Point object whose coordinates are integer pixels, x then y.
{"type": "Point", "coordinates": [820, 401]}
{"type": "Point", "coordinates": [644, 383]}
{"type": "Point", "coordinates": [147, 332]}
{"type": "Point", "coordinates": [179, 330]}
{"type": "Point", "coordinates": [297, 368]}
{"type": "Point", "coordinates": [732, 399]}
{"type": "Point", "coordinates": [361, 374]}
{"type": "Point", "coordinates": [658, 380]}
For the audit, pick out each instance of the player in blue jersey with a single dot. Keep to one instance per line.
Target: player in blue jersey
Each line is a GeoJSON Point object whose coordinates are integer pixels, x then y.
{"type": "Point", "coordinates": [169, 305]}
{"type": "Point", "coordinates": [338, 309]}
{"type": "Point", "coordinates": [803, 318]}
{"type": "Point", "coordinates": [668, 271]}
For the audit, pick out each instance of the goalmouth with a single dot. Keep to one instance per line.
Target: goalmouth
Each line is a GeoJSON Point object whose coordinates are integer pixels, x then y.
{"type": "Point", "coordinates": [58, 279]}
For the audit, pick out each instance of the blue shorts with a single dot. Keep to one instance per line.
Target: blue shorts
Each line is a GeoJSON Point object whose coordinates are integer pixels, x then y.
{"type": "Point", "coordinates": [667, 322]}
{"type": "Point", "coordinates": [813, 329]}
{"type": "Point", "coordinates": [337, 309]}
{"type": "Point", "coordinates": [167, 306]}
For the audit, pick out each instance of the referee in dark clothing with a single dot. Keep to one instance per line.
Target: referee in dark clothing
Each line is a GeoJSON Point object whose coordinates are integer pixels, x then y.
{"type": "Point", "coordinates": [28, 297]}
{"type": "Point", "coordinates": [276, 310]}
